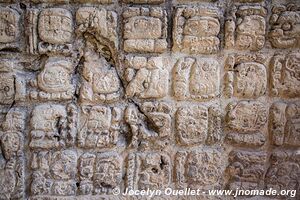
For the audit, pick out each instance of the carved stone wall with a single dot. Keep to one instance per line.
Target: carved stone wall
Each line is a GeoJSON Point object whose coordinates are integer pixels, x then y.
{"type": "Point", "coordinates": [148, 94]}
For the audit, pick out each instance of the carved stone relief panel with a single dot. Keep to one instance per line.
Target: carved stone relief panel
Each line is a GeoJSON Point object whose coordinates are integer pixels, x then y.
{"type": "Point", "coordinates": [147, 77]}
{"type": "Point", "coordinates": [12, 160]}
{"type": "Point", "coordinates": [245, 121]}
{"type": "Point", "coordinates": [245, 28]}
{"type": "Point", "coordinates": [196, 30]}
{"type": "Point", "coordinates": [285, 24]}
{"type": "Point", "coordinates": [199, 169]}
{"type": "Point", "coordinates": [100, 126]}
{"type": "Point", "coordinates": [246, 76]}
{"type": "Point", "coordinates": [54, 82]}
{"type": "Point", "coordinates": [53, 126]}
{"type": "Point", "coordinates": [284, 69]}
{"type": "Point", "coordinates": [145, 30]}
{"type": "Point", "coordinates": [197, 79]}
{"type": "Point", "coordinates": [148, 170]}
{"type": "Point", "coordinates": [10, 31]}
{"type": "Point", "coordinates": [284, 123]}
{"type": "Point", "coordinates": [246, 169]}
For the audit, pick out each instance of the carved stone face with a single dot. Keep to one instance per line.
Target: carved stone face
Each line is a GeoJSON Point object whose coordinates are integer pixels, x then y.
{"type": "Point", "coordinates": [285, 32]}
{"type": "Point", "coordinates": [10, 143]}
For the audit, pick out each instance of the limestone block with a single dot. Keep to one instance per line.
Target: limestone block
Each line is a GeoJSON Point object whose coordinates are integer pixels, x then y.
{"type": "Point", "coordinates": [245, 28]}
{"type": "Point", "coordinates": [245, 121]}
{"type": "Point", "coordinates": [12, 169]}
{"type": "Point", "coordinates": [54, 82]}
{"type": "Point", "coordinates": [145, 30]}
{"type": "Point", "coordinates": [196, 30]}
{"type": "Point", "coordinates": [197, 79]}
{"type": "Point", "coordinates": [246, 169]}
{"type": "Point", "coordinates": [284, 70]}
{"type": "Point", "coordinates": [150, 124]}
{"type": "Point", "coordinates": [53, 126]}
{"type": "Point", "coordinates": [9, 25]}
{"type": "Point", "coordinates": [285, 24]}
{"type": "Point", "coordinates": [99, 126]}
{"type": "Point", "coordinates": [198, 124]}
{"type": "Point", "coordinates": [284, 123]}
{"type": "Point", "coordinates": [246, 76]}
{"type": "Point", "coordinates": [148, 170]}
{"type": "Point", "coordinates": [147, 77]}
{"type": "Point", "coordinates": [199, 169]}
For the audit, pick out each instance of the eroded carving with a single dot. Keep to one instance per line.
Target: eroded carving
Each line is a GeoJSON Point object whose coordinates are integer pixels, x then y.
{"type": "Point", "coordinates": [284, 171]}
{"type": "Point", "coordinates": [54, 82]}
{"type": "Point", "coordinates": [196, 30]}
{"type": "Point", "coordinates": [150, 124]}
{"type": "Point", "coordinates": [100, 81]}
{"type": "Point", "coordinates": [12, 85]}
{"type": "Point", "coordinates": [284, 124]}
{"type": "Point", "coordinates": [198, 124]}
{"type": "Point", "coordinates": [245, 120]}
{"type": "Point", "coordinates": [54, 173]}
{"type": "Point", "coordinates": [99, 126]}
{"type": "Point", "coordinates": [147, 77]}
{"type": "Point", "coordinates": [55, 28]}
{"type": "Point", "coordinates": [246, 169]}
{"type": "Point", "coordinates": [196, 79]}
{"type": "Point", "coordinates": [199, 169]}
{"type": "Point", "coordinates": [12, 156]}
{"type": "Point", "coordinates": [148, 170]}
{"type": "Point", "coordinates": [145, 30]}
{"type": "Point", "coordinates": [9, 25]}
{"type": "Point", "coordinates": [99, 22]}
{"type": "Point", "coordinates": [285, 23]}
{"type": "Point", "coordinates": [285, 75]}
{"type": "Point", "coordinates": [246, 27]}
{"type": "Point", "coordinates": [53, 126]}
{"type": "Point", "coordinates": [246, 76]}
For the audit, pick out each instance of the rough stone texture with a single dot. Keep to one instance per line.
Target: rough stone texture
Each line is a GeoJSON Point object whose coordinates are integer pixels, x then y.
{"type": "Point", "coordinates": [148, 94]}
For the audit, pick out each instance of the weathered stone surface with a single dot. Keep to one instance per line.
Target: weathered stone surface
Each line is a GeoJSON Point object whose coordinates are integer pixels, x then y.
{"type": "Point", "coordinates": [147, 77]}
{"type": "Point", "coordinates": [246, 76]}
{"type": "Point", "coordinates": [245, 29]}
{"type": "Point", "coordinates": [285, 24]}
{"type": "Point", "coordinates": [285, 75]}
{"type": "Point", "coordinates": [197, 79]}
{"type": "Point", "coordinates": [99, 97]}
{"type": "Point", "coordinates": [196, 30]}
{"type": "Point", "coordinates": [145, 30]}
{"type": "Point", "coordinates": [284, 123]}
{"type": "Point", "coordinates": [9, 23]}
